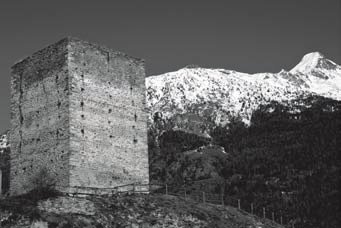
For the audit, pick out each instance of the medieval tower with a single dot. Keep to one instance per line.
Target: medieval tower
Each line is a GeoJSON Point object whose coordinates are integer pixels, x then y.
{"type": "Point", "coordinates": [78, 112]}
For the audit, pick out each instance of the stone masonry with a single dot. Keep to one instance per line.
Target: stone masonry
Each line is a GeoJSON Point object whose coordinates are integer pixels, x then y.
{"type": "Point", "coordinates": [78, 112]}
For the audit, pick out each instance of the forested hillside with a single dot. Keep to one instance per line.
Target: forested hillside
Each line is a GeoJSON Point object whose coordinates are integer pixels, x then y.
{"type": "Point", "coordinates": [287, 160]}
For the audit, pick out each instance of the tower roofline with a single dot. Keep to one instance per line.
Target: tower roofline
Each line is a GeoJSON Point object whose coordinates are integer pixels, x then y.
{"type": "Point", "coordinates": [69, 39]}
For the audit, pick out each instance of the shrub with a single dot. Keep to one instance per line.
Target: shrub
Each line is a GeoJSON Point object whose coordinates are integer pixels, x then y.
{"type": "Point", "coordinates": [44, 185]}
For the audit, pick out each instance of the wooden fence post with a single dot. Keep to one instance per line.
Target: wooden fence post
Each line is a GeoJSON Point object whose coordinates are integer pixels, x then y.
{"type": "Point", "coordinates": [166, 189]}
{"type": "Point", "coordinates": [263, 212]}
{"type": "Point", "coordinates": [203, 197]}
{"type": "Point", "coordinates": [0, 182]}
{"type": "Point", "coordinates": [281, 220]}
{"type": "Point", "coordinates": [134, 188]}
{"type": "Point", "coordinates": [239, 204]}
{"type": "Point", "coordinates": [273, 216]}
{"type": "Point", "coordinates": [222, 199]}
{"type": "Point", "coordinates": [251, 208]}
{"type": "Point", "coordinates": [185, 193]}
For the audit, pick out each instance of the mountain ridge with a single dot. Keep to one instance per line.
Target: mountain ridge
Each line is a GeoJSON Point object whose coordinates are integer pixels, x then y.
{"type": "Point", "coordinates": [228, 93]}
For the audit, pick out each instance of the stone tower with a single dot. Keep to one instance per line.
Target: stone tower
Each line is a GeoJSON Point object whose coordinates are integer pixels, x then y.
{"type": "Point", "coordinates": [78, 113]}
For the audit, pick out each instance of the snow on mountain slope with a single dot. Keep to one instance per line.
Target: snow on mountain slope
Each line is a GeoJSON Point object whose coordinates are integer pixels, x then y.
{"type": "Point", "coordinates": [322, 75]}
{"type": "Point", "coordinates": [220, 94]}
{"type": "Point", "coordinates": [4, 144]}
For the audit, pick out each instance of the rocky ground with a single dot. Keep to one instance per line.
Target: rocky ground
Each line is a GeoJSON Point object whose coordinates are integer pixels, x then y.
{"type": "Point", "coordinates": [155, 210]}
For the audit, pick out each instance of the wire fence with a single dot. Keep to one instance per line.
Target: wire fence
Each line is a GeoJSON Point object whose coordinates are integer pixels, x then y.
{"type": "Point", "coordinates": [191, 192]}
{"type": "Point", "coordinates": [226, 200]}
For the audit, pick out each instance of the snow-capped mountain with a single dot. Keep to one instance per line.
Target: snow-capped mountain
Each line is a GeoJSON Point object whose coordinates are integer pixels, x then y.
{"type": "Point", "coordinates": [220, 94]}
{"type": "Point", "coordinates": [322, 75]}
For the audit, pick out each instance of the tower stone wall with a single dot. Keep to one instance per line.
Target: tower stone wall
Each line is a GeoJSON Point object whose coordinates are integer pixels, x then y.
{"type": "Point", "coordinates": [40, 118]}
{"type": "Point", "coordinates": [108, 123]}
{"type": "Point", "coordinates": [78, 111]}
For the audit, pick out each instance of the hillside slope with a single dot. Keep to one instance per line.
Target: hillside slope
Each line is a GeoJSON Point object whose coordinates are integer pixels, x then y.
{"type": "Point", "coordinates": [287, 159]}
{"type": "Point", "coordinates": [124, 211]}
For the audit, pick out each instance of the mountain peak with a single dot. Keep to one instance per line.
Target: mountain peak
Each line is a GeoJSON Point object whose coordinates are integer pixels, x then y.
{"type": "Point", "coordinates": [312, 55]}
{"type": "Point", "coordinates": [308, 62]}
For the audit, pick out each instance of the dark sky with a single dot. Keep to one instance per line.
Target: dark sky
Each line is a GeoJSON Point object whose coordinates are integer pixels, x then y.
{"type": "Point", "coordinates": [249, 36]}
